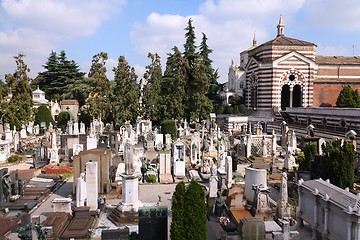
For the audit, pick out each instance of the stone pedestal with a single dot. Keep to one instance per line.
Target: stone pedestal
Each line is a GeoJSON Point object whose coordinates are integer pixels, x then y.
{"type": "Point", "coordinates": [213, 186]}
{"type": "Point", "coordinates": [179, 169]}
{"type": "Point", "coordinates": [130, 194]}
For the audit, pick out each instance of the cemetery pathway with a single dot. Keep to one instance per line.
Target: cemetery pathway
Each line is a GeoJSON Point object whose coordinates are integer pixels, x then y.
{"type": "Point", "coordinates": [45, 207]}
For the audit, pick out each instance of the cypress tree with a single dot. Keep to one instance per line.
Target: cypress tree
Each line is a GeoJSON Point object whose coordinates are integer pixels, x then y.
{"type": "Point", "coordinates": [177, 228]}
{"type": "Point", "coordinates": [338, 164]}
{"type": "Point", "coordinates": [195, 209]}
{"type": "Point", "coordinates": [126, 92]}
{"type": "Point", "coordinates": [151, 92]}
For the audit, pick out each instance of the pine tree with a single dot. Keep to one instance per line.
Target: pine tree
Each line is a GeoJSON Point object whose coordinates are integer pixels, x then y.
{"type": "Point", "coordinates": [126, 92]}
{"type": "Point", "coordinates": [177, 228]}
{"type": "Point", "coordinates": [151, 91]}
{"type": "Point", "coordinates": [338, 164]}
{"type": "Point", "coordinates": [195, 208]}
{"type": "Point", "coordinates": [20, 109]}
{"type": "Point", "coordinates": [60, 77]}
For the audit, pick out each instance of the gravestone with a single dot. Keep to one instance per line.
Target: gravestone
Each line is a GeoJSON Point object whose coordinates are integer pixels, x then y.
{"type": "Point", "coordinates": [5, 186]}
{"type": "Point", "coordinates": [82, 128]}
{"type": "Point", "coordinates": [159, 140]}
{"type": "Point", "coordinates": [54, 151]}
{"type": "Point", "coordinates": [229, 170]}
{"type": "Point", "coordinates": [23, 133]}
{"type": "Point", "coordinates": [92, 185]}
{"type": "Point", "coordinates": [252, 228]}
{"type": "Point", "coordinates": [195, 149]}
{"type": "Point", "coordinates": [283, 208]}
{"type": "Point", "coordinates": [62, 205]}
{"type": "Point", "coordinates": [213, 182]}
{"type": "Point", "coordinates": [76, 128]}
{"type": "Point", "coordinates": [16, 141]}
{"type": "Point", "coordinates": [165, 167]}
{"type": "Point", "coordinates": [91, 142]}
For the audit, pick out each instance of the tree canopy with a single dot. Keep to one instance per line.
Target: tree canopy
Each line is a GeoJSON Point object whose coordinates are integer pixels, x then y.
{"type": "Point", "coordinates": [43, 114]}
{"type": "Point", "coordinates": [19, 111]}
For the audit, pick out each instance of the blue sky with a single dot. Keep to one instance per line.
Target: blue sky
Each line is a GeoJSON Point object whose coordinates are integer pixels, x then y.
{"type": "Point", "coordinates": [135, 27]}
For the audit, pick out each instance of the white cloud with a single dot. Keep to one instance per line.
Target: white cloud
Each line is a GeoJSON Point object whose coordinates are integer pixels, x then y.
{"type": "Point", "coordinates": [35, 27]}
{"type": "Point", "coordinates": [342, 15]}
{"type": "Point", "coordinates": [339, 50]}
{"type": "Point", "coordinates": [228, 24]}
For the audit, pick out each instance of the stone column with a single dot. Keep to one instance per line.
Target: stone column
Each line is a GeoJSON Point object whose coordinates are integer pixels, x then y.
{"type": "Point", "coordinates": [299, 219]}
{"type": "Point", "coordinates": [357, 231]}
{"type": "Point", "coordinates": [291, 96]}
{"type": "Point", "coordinates": [348, 235]}
{"type": "Point", "coordinates": [314, 228]}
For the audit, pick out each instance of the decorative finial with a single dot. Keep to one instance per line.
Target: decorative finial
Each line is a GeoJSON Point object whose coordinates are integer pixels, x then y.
{"type": "Point", "coordinates": [254, 40]}
{"type": "Point", "coordinates": [280, 27]}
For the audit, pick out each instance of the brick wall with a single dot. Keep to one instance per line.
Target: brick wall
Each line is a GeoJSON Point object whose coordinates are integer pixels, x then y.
{"type": "Point", "coordinates": [328, 93]}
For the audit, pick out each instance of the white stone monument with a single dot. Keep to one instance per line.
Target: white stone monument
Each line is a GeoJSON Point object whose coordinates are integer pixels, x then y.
{"type": "Point", "coordinates": [77, 148]}
{"type": "Point", "coordinates": [54, 151]}
{"type": "Point", "coordinates": [229, 170]}
{"type": "Point", "coordinates": [81, 192]}
{"type": "Point", "coordinates": [213, 182]}
{"type": "Point", "coordinates": [91, 142]}
{"type": "Point", "coordinates": [130, 183]}
{"type": "Point", "coordinates": [82, 128]}
{"type": "Point", "coordinates": [195, 153]}
{"type": "Point", "coordinates": [254, 176]}
{"type": "Point", "coordinates": [179, 159]}
{"type": "Point", "coordinates": [76, 128]}
{"type": "Point", "coordinates": [283, 208]}
{"type": "Point", "coordinates": [92, 185]}
{"type": "Point", "coordinates": [62, 205]}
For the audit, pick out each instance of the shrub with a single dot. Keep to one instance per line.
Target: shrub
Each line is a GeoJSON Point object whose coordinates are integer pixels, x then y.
{"type": "Point", "coordinates": [151, 178]}
{"type": "Point", "coordinates": [43, 114]}
{"type": "Point", "coordinates": [14, 158]}
{"type": "Point", "coordinates": [242, 108]}
{"type": "Point", "coordinates": [228, 110]}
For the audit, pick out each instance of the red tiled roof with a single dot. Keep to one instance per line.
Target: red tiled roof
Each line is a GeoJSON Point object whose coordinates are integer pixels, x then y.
{"type": "Point", "coordinates": [286, 41]}
{"type": "Point", "coordinates": [337, 60]}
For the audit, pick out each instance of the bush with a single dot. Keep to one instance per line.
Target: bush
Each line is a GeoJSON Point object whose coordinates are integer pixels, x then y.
{"type": "Point", "coordinates": [242, 108]}
{"type": "Point", "coordinates": [228, 110]}
{"type": "Point", "coordinates": [151, 178]}
{"type": "Point", "coordinates": [43, 114]}
{"type": "Point", "coordinates": [169, 126]}
{"type": "Point", "coordinates": [14, 158]}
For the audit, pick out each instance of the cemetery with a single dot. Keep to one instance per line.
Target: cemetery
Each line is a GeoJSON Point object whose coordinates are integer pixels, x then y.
{"type": "Point", "coordinates": [237, 170]}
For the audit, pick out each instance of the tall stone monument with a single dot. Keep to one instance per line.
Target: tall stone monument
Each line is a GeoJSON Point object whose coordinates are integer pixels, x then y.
{"type": "Point", "coordinates": [92, 185]}
{"type": "Point", "coordinates": [81, 193]}
{"type": "Point", "coordinates": [54, 151]}
{"type": "Point", "coordinates": [283, 208]}
{"type": "Point", "coordinates": [130, 183]}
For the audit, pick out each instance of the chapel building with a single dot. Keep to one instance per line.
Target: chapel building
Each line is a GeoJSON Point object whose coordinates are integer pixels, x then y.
{"type": "Point", "coordinates": [286, 72]}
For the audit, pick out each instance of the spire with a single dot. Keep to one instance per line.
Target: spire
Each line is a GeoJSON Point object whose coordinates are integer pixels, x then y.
{"type": "Point", "coordinates": [280, 27]}
{"type": "Point", "coordinates": [254, 40]}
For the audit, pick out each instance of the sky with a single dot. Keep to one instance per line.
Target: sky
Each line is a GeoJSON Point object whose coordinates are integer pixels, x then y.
{"type": "Point", "coordinates": [133, 28]}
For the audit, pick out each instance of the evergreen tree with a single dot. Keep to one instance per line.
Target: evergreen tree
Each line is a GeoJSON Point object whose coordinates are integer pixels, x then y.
{"type": "Point", "coordinates": [43, 114]}
{"type": "Point", "coordinates": [173, 86]}
{"type": "Point", "coordinates": [98, 102]}
{"type": "Point", "coordinates": [348, 98]}
{"type": "Point", "coordinates": [151, 91]}
{"type": "Point", "coordinates": [309, 155]}
{"type": "Point", "coordinates": [60, 77]}
{"type": "Point", "coordinates": [63, 119]}
{"type": "Point", "coordinates": [177, 228]}
{"type": "Point", "coordinates": [198, 104]}
{"type": "Point", "coordinates": [189, 46]}
{"type": "Point", "coordinates": [212, 74]}
{"type": "Point", "coordinates": [338, 164]}
{"type": "Point", "coordinates": [195, 208]}
{"type": "Point", "coordinates": [126, 92]}
{"type": "Point", "coordinates": [19, 111]}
